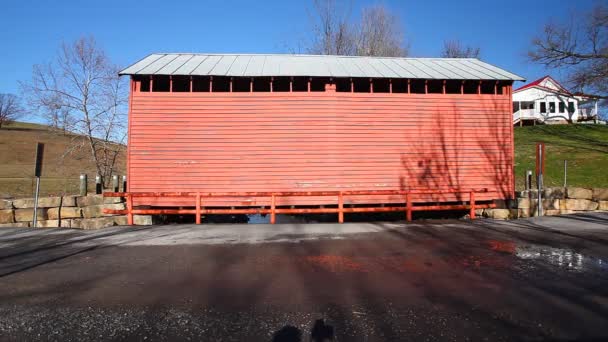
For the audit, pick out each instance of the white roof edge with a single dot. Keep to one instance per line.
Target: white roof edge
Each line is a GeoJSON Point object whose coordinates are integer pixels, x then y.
{"type": "Point", "coordinates": [293, 62]}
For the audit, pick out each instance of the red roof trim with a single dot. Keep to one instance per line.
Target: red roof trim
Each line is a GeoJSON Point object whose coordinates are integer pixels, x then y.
{"type": "Point", "coordinates": [539, 81]}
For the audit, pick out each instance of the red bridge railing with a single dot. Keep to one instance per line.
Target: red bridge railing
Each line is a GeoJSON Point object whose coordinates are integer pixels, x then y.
{"type": "Point", "coordinates": [199, 197]}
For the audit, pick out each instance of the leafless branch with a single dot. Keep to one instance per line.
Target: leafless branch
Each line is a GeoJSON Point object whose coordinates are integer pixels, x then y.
{"type": "Point", "coordinates": [81, 93]}
{"type": "Point", "coordinates": [455, 49]}
{"type": "Point", "coordinates": [10, 108]}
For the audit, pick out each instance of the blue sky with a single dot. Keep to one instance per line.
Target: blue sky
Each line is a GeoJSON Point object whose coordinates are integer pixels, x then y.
{"type": "Point", "coordinates": [31, 31]}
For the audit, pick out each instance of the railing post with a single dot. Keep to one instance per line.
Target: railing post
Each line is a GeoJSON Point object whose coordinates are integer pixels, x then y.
{"type": "Point", "coordinates": [472, 204]}
{"type": "Point", "coordinates": [408, 204]}
{"type": "Point", "coordinates": [272, 208]}
{"type": "Point", "coordinates": [340, 208]}
{"type": "Point", "coordinates": [198, 208]}
{"type": "Point", "coordinates": [129, 209]}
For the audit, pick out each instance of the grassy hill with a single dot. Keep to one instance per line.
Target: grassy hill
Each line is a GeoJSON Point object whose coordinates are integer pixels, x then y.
{"type": "Point", "coordinates": [585, 147]}
{"type": "Point", "coordinates": [60, 171]}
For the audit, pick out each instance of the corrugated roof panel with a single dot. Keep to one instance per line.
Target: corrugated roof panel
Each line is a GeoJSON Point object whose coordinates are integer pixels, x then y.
{"type": "Point", "coordinates": [319, 66]}
{"type": "Point", "coordinates": [472, 70]}
{"type": "Point", "coordinates": [401, 71]}
{"type": "Point", "coordinates": [272, 66]}
{"type": "Point", "coordinates": [190, 65]}
{"type": "Point", "coordinates": [154, 67]}
{"type": "Point", "coordinates": [379, 65]}
{"type": "Point", "coordinates": [431, 70]}
{"type": "Point", "coordinates": [175, 64]}
{"type": "Point", "coordinates": [496, 71]}
{"type": "Point", "coordinates": [133, 69]}
{"type": "Point", "coordinates": [450, 73]}
{"type": "Point", "coordinates": [222, 66]}
{"type": "Point", "coordinates": [239, 65]}
{"type": "Point", "coordinates": [416, 71]}
{"type": "Point", "coordinates": [367, 69]}
{"type": "Point", "coordinates": [256, 64]}
{"type": "Point", "coordinates": [206, 66]}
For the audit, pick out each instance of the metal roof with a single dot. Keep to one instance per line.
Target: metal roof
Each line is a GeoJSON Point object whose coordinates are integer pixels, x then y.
{"type": "Point", "coordinates": [314, 65]}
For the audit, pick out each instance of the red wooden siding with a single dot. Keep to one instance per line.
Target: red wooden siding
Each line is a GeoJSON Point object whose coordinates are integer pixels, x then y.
{"type": "Point", "coordinates": [223, 142]}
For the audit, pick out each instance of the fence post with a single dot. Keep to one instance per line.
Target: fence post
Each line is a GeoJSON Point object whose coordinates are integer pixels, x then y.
{"type": "Point", "coordinates": [408, 209]}
{"type": "Point", "coordinates": [129, 209]}
{"type": "Point", "coordinates": [472, 204]}
{"type": "Point", "coordinates": [198, 208]}
{"type": "Point", "coordinates": [340, 208]}
{"type": "Point", "coordinates": [529, 180]}
{"type": "Point", "coordinates": [115, 183]}
{"type": "Point", "coordinates": [98, 184]}
{"type": "Point", "coordinates": [83, 184]}
{"type": "Point", "coordinates": [272, 208]}
{"type": "Point", "coordinates": [124, 183]}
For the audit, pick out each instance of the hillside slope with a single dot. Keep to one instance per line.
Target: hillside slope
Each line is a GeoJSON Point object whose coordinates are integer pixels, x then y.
{"type": "Point", "coordinates": [585, 147]}
{"type": "Point", "coordinates": [60, 172]}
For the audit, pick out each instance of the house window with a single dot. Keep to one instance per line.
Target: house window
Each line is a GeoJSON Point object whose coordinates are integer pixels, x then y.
{"type": "Point", "coordinates": [543, 107]}
{"type": "Point", "coordinates": [562, 107]}
{"type": "Point", "coordinates": [570, 107]}
{"type": "Point", "coordinates": [551, 107]}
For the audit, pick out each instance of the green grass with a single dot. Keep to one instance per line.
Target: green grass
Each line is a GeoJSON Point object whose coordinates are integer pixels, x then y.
{"type": "Point", "coordinates": [585, 147]}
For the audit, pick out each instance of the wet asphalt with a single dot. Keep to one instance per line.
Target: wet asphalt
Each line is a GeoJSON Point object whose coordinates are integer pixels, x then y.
{"type": "Point", "coordinates": [529, 280]}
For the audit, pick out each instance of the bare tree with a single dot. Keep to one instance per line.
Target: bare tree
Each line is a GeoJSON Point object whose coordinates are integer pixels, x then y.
{"type": "Point", "coordinates": [332, 32]}
{"type": "Point", "coordinates": [10, 109]}
{"type": "Point", "coordinates": [380, 34]}
{"type": "Point", "coordinates": [580, 47]}
{"type": "Point", "coordinates": [455, 49]}
{"type": "Point", "coordinates": [377, 33]}
{"type": "Point", "coordinates": [81, 93]}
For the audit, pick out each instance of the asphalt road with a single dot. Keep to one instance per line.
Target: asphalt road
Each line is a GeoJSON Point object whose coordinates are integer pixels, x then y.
{"type": "Point", "coordinates": [535, 280]}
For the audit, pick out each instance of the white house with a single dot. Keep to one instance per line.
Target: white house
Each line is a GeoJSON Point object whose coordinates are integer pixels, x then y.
{"type": "Point", "coordinates": [547, 101]}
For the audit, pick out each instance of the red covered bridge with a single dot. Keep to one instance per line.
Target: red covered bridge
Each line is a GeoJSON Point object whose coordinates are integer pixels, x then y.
{"type": "Point", "coordinates": [299, 133]}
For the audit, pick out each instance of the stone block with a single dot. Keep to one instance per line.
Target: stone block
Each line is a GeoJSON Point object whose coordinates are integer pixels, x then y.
{"type": "Point", "coordinates": [93, 223]}
{"type": "Point", "coordinates": [47, 224]}
{"type": "Point", "coordinates": [97, 210]}
{"type": "Point", "coordinates": [580, 204]}
{"type": "Point", "coordinates": [142, 220]}
{"type": "Point", "coordinates": [23, 203]}
{"type": "Point", "coordinates": [68, 201]}
{"type": "Point", "coordinates": [6, 204]}
{"type": "Point", "coordinates": [603, 205]}
{"type": "Point", "coordinates": [554, 193]}
{"type": "Point", "coordinates": [53, 224]}
{"type": "Point", "coordinates": [499, 214]}
{"type": "Point", "coordinates": [532, 193]}
{"type": "Point", "coordinates": [523, 203]}
{"type": "Point", "coordinates": [15, 225]}
{"type": "Point", "coordinates": [579, 193]}
{"type": "Point", "coordinates": [112, 200]}
{"type": "Point", "coordinates": [551, 204]}
{"type": "Point", "coordinates": [7, 216]}
{"type": "Point", "coordinates": [479, 212]}
{"type": "Point", "coordinates": [523, 213]}
{"type": "Point", "coordinates": [566, 211]}
{"type": "Point", "coordinates": [85, 201]}
{"type": "Point", "coordinates": [552, 212]}
{"type": "Point", "coordinates": [120, 220]}
{"type": "Point", "coordinates": [43, 202]}
{"type": "Point", "coordinates": [27, 215]}
{"type": "Point", "coordinates": [600, 194]}
{"type": "Point", "coordinates": [64, 212]}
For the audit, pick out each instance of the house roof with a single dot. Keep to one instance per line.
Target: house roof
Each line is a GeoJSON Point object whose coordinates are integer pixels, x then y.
{"type": "Point", "coordinates": [316, 66]}
{"type": "Point", "coordinates": [540, 83]}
